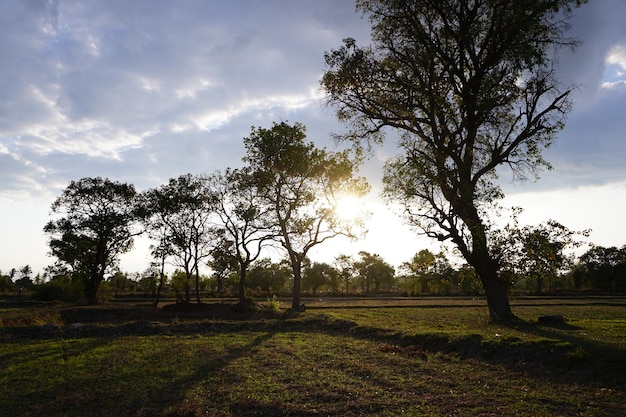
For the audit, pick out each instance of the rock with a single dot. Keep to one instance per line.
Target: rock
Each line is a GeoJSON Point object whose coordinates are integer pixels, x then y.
{"type": "Point", "coordinates": [50, 329]}
{"type": "Point", "coordinates": [553, 319]}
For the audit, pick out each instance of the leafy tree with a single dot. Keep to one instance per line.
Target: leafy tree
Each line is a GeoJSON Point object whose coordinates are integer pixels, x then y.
{"type": "Point", "coordinates": [469, 86]}
{"type": "Point", "coordinates": [150, 281]}
{"type": "Point", "coordinates": [443, 277]}
{"type": "Point", "coordinates": [372, 269]}
{"type": "Point", "coordinates": [96, 227]}
{"type": "Point", "coordinates": [345, 266]}
{"type": "Point", "coordinates": [120, 282]}
{"type": "Point", "coordinates": [25, 280]}
{"type": "Point", "coordinates": [605, 267]}
{"type": "Point", "coordinates": [6, 283]}
{"type": "Point", "coordinates": [318, 275]}
{"type": "Point", "coordinates": [223, 264]}
{"type": "Point", "coordinates": [244, 219]}
{"type": "Point", "coordinates": [468, 281]}
{"type": "Point", "coordinates": [544, 252]}
{"type": "Point", "coordinates": [420, 267]}
{"type": "Point", "coordinates": [269, 276]}
{"type": "Point", "coordinates": [301, 184]}
{"type": "Point", "coordinates": [181, 214]}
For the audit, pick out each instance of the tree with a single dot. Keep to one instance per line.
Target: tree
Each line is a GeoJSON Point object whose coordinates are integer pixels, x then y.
{"type": "Point", "coordinates": [268, 276]}
{"type": "Point", "coordinates": [243, 218]}
{"type": "Point", "coordinates": [24, 281]}
{"type": "Point", "coordinates": [180, 212]}
{"type": "Point", "coordinates": [6, 282]}
{"type": "Point", "coordinates": [605, 267]}
{"type": "Point", "coordinates": [469, 86]}
{"type": "Point", "coordinates": [345, 265]}
{"type": "Point", "coordinates": [372, 269]}
{"type": "Point", "coordinates": [320, 274]}
{"type": "Point", "coordinates": [223, 264]}
{"type": "Point", "coordinates": [301, 184]}
{"type": "Point", "coordinates": [420, 267]}
{"type": "Point", "coordinates": [97, 226]}
{"type": "Point", "coordinates": [544, 252]}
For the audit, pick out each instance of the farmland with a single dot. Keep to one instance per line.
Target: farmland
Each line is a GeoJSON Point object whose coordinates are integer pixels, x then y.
{"type": "Point", "coordinates": [342, 357]}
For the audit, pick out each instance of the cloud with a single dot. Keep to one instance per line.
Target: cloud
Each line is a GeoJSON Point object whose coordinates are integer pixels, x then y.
{"type": "Point", "coordinates": [96, 81]}
{"type": "Point", "coordinates": [143, 91]}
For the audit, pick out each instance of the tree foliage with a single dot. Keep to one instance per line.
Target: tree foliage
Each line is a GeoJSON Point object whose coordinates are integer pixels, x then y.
{"type": "Point", "coordinates": [605, 268]}
{"type": "Point", "coordinates": [374, 272]}
{"type": "Point", "coordinates": [320, 275]}
{"type": "Point", "coordinates": [95, 228]}
{"type": "Point", "coordinates": [269, 277]}
{"type": "Point", "coordinates": [468, 86]}
{"type": "Point", "coordinates": [243, 221]}
{"type": "Point", "coordinates": [180, 212]}
{"type": "Point", "coordinates": [300, 184]}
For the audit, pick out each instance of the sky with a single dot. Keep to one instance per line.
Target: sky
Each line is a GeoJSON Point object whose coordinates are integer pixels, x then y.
{"type": "Point", "coordinates": [142, 91]}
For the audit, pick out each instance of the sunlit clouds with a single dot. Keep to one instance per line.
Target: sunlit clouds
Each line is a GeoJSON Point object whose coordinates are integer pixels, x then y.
{"type": "Point", "coordinates": [615, 73]}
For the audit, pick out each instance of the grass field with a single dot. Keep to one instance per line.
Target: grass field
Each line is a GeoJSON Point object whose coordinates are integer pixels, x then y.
{"type": "Point", "coordinates": [358, 357]}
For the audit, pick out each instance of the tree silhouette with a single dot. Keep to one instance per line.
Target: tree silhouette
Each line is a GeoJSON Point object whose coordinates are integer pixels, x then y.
{"type": "Point", "coordinates": [96, 227]}
{"type": "Point", "coordinates": [300, 184]}
{"type": "Point", "coordinates": [468, 86]}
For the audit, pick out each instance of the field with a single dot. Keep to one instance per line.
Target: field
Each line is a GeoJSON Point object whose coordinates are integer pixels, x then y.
{"type": "Point", "coordinates": [342, 357]}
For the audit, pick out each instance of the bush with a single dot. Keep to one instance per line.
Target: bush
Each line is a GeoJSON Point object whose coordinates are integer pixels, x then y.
{"type": "Point", "coordinates": [57, 291]}
{"type": "Point", "coordinates": [273, 304]}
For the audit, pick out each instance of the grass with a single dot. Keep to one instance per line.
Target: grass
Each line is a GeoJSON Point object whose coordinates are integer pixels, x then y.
{"type": "Point", "coordinates": [435, 357]}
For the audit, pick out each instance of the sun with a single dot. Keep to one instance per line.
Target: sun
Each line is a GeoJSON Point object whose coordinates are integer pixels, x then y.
{"type": "Point", "coordinates": [349, 207]}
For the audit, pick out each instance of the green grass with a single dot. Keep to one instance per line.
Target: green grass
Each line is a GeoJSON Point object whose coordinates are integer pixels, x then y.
{"type": "Point", "coordinates": [340, 358]}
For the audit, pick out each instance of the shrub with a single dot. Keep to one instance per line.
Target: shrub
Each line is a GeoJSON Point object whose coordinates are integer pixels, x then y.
{"type": "Point", "coordinates": [58, 291]}
{"type": "Point", "coordinates": [273, 304]}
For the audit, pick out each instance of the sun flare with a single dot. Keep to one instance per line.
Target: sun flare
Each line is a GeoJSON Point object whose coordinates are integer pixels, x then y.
{"type": "Point", "coordinates": [349, 207]}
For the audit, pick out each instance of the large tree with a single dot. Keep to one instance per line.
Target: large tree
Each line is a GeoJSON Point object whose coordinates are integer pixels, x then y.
{"type": "Point", "coordinates": [468, 86]}
{"type": "Point", "coordinates": [301, 185]}
{"type": "Point", "coordinates": [95, 228]}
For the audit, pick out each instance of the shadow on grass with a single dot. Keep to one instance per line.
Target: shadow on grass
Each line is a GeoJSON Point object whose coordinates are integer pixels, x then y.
{"type": "Point", "coordinates": [555, 352]}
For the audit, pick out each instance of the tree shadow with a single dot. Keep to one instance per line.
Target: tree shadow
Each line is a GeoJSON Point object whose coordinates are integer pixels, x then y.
{"type": "Point", "coordinates": [559, 354]}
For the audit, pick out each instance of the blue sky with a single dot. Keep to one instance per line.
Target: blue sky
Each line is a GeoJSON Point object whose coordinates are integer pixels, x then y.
{"type": "Point", "coordinates": [142, 91]}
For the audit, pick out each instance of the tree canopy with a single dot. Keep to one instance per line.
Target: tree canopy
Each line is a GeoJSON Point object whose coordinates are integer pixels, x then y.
{"type": "Point", "coordinates": [181, 212]}
{"type": "Point", "coordinates": [301, 185]}
{"type": "Point", "coordinates": [468, 86]}
{"type": "Point", "coordinates": [95, 228]}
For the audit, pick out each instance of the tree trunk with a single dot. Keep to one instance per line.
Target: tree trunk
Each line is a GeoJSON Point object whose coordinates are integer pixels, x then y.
{"type": "Point", "coordinates": [242, 283]}
{"type": "Point", "coordinates": [484, 265]}
{"type": "Point", "coordinates": [297, 284]}
{"type": "Point", "coordinates": [197, 285]}
{"type": "Point", "coordinates": [495, 290]}
{"type": "Point", "coordinates": [497, 297]}
{"type": "Point", "coordinates": [161, 279]}
{"type": "Point", "coordinates": [91, 292]}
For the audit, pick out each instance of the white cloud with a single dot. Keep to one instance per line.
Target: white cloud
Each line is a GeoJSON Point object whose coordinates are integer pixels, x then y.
{"type": "Point", "coordinates": [615, 71]}
{"type": "Point", "coordinates": [617, 55]}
